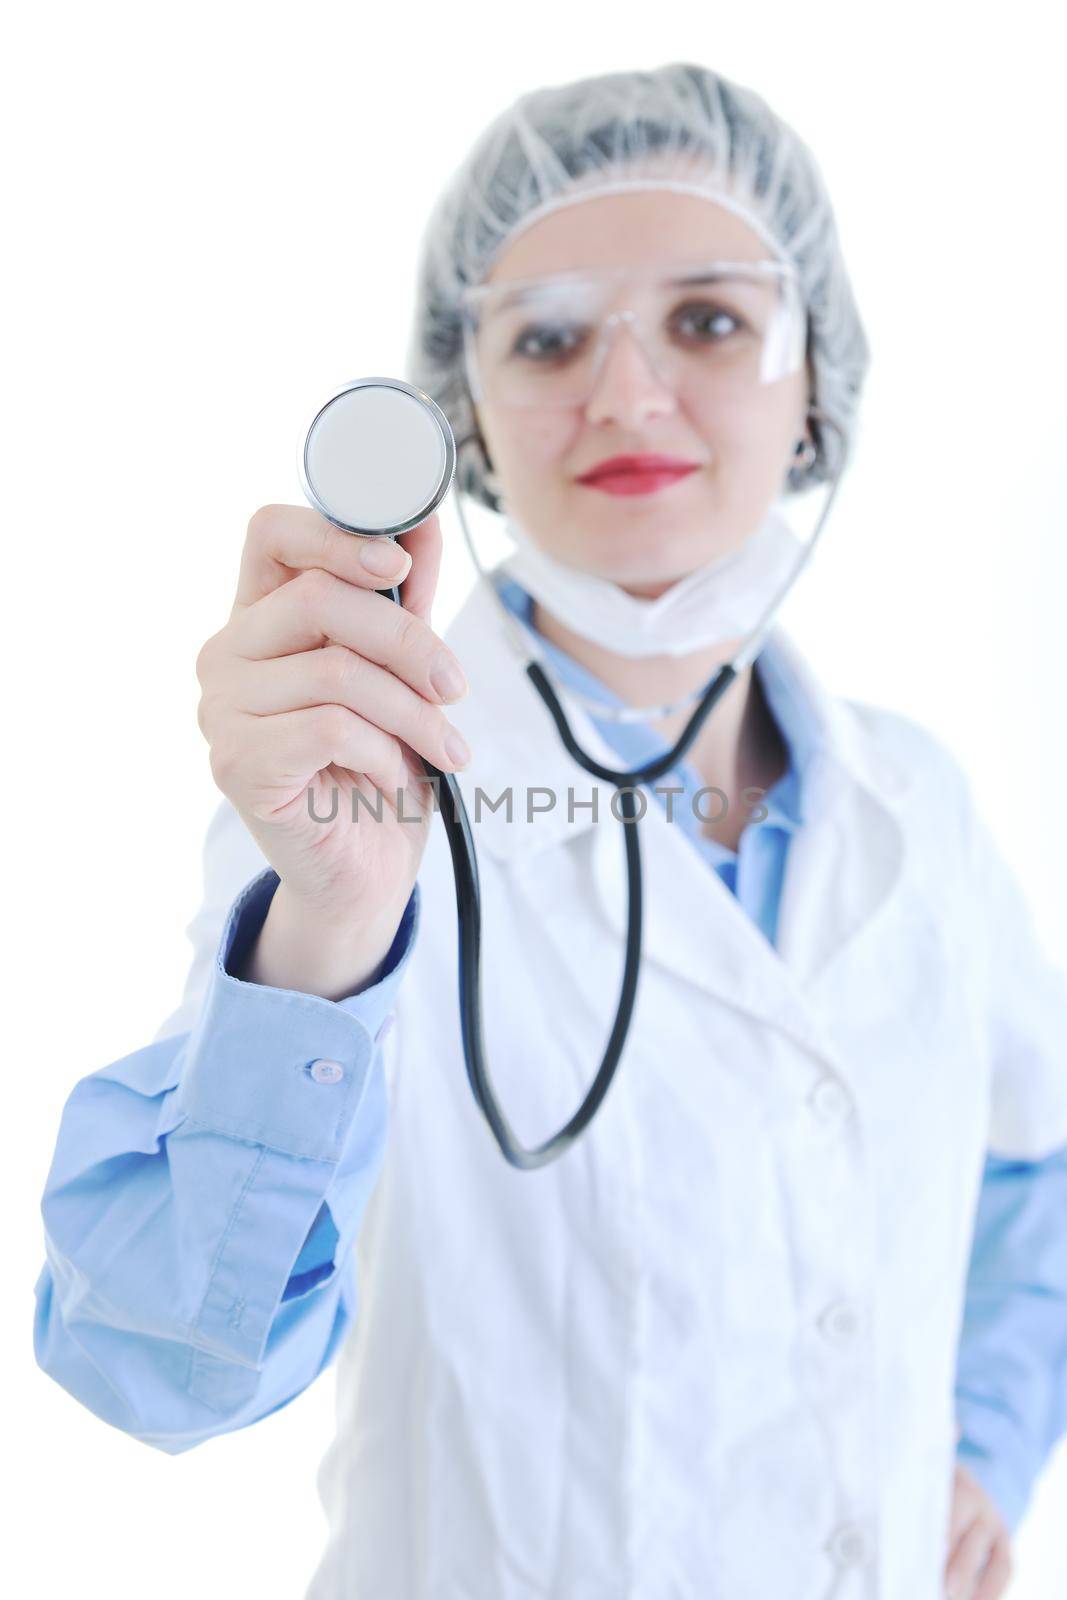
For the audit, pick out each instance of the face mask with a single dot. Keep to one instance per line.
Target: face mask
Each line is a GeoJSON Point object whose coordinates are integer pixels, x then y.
{"type": "Point", "coordinates": [719, 602]}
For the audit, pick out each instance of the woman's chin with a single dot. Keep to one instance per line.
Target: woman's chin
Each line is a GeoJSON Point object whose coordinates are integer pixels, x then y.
{"type": "Point", "coordinates": [645, 561]}
{"type": "Point", "coordinates": [641, 583]}
{"type": "Point", "coordinates": [649, 591]}
{"type": "Point", "coordinates": [648, 580]}
{"type": "Point", "coordinates": [656, 554]}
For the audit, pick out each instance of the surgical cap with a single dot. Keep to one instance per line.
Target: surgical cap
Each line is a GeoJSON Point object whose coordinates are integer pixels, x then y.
{"type": "Point", "coordinates": [679, 123]}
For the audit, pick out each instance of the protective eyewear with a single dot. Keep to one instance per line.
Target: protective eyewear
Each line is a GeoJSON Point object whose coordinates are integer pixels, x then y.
{"type": "Point", "coordinates": [543, 341]}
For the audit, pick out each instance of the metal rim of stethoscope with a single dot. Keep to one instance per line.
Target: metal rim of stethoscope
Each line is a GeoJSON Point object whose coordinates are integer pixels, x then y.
{"type": "Point", "coordinates": [448, 468]}
{"type": "Point", "coordinates": [465, 865]}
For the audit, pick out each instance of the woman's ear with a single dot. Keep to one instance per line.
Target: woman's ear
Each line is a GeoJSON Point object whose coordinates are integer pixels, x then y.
{"type": "Point", "coordinates": [805, 451]}
{"type": "Point", "coordinates": [492, 482]}
{"type": "Point", "coordinates": [807, 445]}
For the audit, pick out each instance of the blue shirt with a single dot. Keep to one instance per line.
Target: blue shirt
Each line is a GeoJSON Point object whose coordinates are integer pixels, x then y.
{"type": "Point", "coordinates": [206, 1190]}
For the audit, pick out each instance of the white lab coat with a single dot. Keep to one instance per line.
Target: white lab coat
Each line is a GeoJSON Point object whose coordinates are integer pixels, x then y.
{"type": "Point", "coordinates": [709, 1354]}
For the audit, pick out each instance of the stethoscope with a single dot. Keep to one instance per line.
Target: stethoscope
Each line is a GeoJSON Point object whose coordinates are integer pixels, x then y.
{"type": "Point", "coordinates": [378, 458]}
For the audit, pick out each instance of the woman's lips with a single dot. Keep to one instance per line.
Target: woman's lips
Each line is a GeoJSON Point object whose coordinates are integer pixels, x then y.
{"type": "Point", "coordinates": [640, 480]}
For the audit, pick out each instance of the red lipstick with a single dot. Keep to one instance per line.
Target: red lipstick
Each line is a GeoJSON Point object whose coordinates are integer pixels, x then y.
{"type": "Point", "coordinates": [640, 474]}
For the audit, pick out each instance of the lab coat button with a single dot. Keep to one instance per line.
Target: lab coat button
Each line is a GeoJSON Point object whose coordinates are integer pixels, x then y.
{"type": "Point", "coordinates": [829, 1100]}
{"type": "Point", "coordinates": [327, 1071]}
{"type": "Point", "coordinates": [847, 1545]}
{"type": "Point", "coordinates": [841, 1322]}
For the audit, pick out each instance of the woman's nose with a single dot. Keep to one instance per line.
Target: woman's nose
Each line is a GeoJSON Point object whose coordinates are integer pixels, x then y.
{"type": "Point", "coordinates": [627, 389]}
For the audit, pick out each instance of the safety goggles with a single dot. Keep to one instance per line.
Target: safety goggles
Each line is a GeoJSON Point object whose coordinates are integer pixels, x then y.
{"type": "Point", "coordinates": [728, 326]}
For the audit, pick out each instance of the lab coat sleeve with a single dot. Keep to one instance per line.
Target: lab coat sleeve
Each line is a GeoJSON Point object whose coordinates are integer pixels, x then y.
{"type": "Point", "coordinates": [1011, 1386]}
{"type": "Point", "coordinates": [205, 1193]}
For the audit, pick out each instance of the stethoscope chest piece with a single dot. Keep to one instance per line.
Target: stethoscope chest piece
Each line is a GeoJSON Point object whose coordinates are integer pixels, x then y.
{"type": "Point", "coordinates": [378, 457]}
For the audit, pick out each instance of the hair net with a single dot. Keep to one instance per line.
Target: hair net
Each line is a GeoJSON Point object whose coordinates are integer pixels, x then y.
{"type": "Point", "coordinates": [678, 122]}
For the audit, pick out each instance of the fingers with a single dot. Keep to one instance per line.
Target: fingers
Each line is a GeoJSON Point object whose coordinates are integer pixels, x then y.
{"type": "Point", "coordinates": [317, 608]}
{"type": "Point", "coordinates": [284, 540]}
{"type": "Point", "coordinates": [964, 1506]}
{"type": "Point", "coordinates": [997, 1575]}
{"type": "Point", "coordinates": [979, 1562]}
{"type": "Point", "coordinates": [279, 754]}
{"type": "Point", "coordinates": [967, 1560]}
{"type": "Point", "coordinates": [318, 668]}
{"type": "Point", "coordinates": [336, 675]}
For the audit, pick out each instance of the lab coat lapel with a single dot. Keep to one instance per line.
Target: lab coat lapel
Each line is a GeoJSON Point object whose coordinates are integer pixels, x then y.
{"type": "Point", "coordinates": [841, 867]}
{"type": "Point", "coordinates": [849, 857]}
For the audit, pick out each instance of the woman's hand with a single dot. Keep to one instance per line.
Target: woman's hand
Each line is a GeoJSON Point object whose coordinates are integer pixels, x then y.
{"type": "Point", "coordinates": [979, 1561]}
{"type": "Point", "coordinates": [318, 684]}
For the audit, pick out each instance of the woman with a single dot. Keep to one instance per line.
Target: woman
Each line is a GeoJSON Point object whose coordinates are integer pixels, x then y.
{"type": "Point", "coordinates": [712, 1350]}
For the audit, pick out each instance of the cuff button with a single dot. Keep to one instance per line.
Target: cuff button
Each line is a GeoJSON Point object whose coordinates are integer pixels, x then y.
{"type": "Point", "coordinates": [324, 1071]}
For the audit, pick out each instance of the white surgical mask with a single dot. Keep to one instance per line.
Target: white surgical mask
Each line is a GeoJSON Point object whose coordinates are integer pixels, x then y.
{"type": "Point", "coordinates": [719, 602]}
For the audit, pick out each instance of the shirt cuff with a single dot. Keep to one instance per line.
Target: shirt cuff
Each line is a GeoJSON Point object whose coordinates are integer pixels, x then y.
{"type": "Point", "coordinates": [277, 1067]}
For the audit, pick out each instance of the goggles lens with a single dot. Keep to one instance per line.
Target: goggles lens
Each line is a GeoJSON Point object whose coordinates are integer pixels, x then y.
{"type": "Point", "coordinates": [723, 325]}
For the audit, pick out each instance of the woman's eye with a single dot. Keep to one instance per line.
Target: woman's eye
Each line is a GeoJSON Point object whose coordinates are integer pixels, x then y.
{"type": "Point", "coordinates": [547, 342]}
{"type": "Point", "coordinates": [708, 321]}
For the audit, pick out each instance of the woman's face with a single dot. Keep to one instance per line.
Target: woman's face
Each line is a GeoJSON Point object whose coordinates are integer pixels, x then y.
{"type": "Point", "coordinates": [743, 442]}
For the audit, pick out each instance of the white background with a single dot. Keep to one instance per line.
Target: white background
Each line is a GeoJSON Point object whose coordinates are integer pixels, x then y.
{"type": "Point", "coordinates": [214, 214]}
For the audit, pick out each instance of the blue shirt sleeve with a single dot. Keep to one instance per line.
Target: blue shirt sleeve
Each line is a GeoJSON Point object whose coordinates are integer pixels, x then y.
{"type": "Point", "coordinates": [372, 1007]}
{"type": "Point", "coordinates": [204, 1196]}
{"type": "Point", "coordinates": [1011, 1382]}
